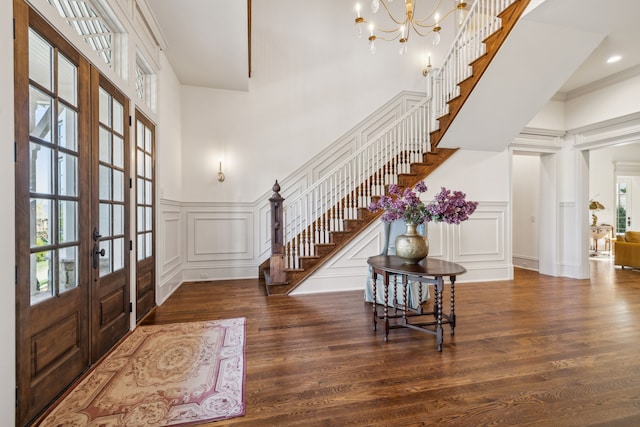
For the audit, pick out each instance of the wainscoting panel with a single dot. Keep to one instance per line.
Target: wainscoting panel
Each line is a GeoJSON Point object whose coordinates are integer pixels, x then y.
{"type": "Point", "coordinates": [478, 244]}
{"type": "Point", "coordinates": [437, 240]}
{"type": "Point", "coordinates": [482, 237]}
{"type": "Point", "coordinates": [348, 269]}
{"type": "Point", "coordinates": [171, 240]}
{"type": "Point", "coordinates": [169, 248]}
{"type": "Point", "coordinates": [219, 236]}
{"type": "Point", "coordinates": [328, 164]}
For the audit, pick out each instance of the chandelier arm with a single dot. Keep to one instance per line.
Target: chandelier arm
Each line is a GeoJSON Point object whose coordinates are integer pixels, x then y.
{"type": "Point", "coordinates": [388, 39]}
{"type": "Point", "coordinates": [391, 15]}
{"type": "Point", "coordinates": [433, 12]}
{"type": "Point", "coordinates": [445, 16]}
{"type": "Point", "coordinates": [413, 25]}
{"type": "Point", "coordinates": [375, 27]}
{"type": "Point", "coordinates": [382, 30]}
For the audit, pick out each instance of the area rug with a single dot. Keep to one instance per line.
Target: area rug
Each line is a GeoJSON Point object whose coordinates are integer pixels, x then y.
{"type": "Point", "coordinates": [163, 375]}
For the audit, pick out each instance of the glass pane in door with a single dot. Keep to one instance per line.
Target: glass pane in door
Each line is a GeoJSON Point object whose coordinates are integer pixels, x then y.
{"type": "Point", "coordinates": [41, 276]}
{"type": "Point", "coordinates": [68, 268]}
{"type": "Point", "coordinates": [41, 173]}
{"type": "Point", "coordinates": [67, 80]}
{"type": "Point", "coordinates": [40, 114]}
{"type": "Point", "coordinates": [40, 60]}
{"type": "Point", "coordinates": [111, 184]}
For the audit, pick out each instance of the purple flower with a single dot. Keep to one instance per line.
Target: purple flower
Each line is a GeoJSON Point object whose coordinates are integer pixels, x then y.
{"type": "Point", "coordinates": [448, 206]}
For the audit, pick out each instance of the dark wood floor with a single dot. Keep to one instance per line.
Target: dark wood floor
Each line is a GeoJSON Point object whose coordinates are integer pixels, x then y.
{"type": "Point", "coordinates": [537, 350]}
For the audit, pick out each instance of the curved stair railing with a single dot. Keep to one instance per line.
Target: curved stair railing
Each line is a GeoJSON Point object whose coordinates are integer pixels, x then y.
{"type": "Point", "coordinates": [328, 204]}
{"type": "Point", "coordinates": [306, 227]}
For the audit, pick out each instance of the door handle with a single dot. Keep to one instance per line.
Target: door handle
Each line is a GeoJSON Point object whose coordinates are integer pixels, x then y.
{"type": "Point", "coordinates": [96, 235]}
{"type": "Point", "coordinates": [97, 253]}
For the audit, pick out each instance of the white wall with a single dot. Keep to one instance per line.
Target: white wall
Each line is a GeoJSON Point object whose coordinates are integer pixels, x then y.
{"type": "Point", "coordinates": [305, 92]}
{"type": "Point", "coordinates": [603, 104]}
{"type": "Point", "coordinates": [169, 134]}
{"type": "Point", "coordinates": [169, 152]}
{"type": "Point", "coordinates": [7, 221]}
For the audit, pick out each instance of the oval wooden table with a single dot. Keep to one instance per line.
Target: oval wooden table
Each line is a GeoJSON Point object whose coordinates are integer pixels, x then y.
{"type": "Point", "coordinates": [429, 270]}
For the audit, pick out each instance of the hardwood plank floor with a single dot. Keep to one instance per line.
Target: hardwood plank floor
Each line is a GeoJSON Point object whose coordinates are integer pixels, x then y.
{"type": "Point", "coordinates": [535, 351]}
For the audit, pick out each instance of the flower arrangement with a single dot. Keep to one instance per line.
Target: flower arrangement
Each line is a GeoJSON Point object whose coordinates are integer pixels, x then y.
{"type": "Point", "coordinates": [449, 206]}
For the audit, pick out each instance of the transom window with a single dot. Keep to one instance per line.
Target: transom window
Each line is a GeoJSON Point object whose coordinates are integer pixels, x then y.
{"type": "Point", "coordinates": [88, 23]}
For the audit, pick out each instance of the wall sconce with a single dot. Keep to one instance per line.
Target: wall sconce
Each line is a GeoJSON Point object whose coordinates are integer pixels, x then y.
{"type": "Point", "coordinates": [220, 174]}
{"type": "Point", "coordinates": [427, 69]}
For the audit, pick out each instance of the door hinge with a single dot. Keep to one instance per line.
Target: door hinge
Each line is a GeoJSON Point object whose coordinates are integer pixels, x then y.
{"type": "Point", "coordinates": [16, 396]}
{"type": "Point", "coordinates": [130, 245]}
{"type": "Point", "coordinates": [15, 152]}
{"type": "Point", "coordinates": [130, 121]}
{"type": "Point", "coordinates": [130, 307]}
{"type": "Point", "coordinates": [16, 274]}
{"type": "Point", "coordinates": [130, 183]}
{"type": "Point", "coordinates": [14, 28]}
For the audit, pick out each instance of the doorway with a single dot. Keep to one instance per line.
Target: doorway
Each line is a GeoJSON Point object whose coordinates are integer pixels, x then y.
{"type": "Point", "coordinates": [72, 213]}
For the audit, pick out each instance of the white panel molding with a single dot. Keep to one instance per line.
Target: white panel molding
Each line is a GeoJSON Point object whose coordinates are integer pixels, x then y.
{"type": "Point", "coordinates": [526, 262]}
{"type": "Point", "coordinates": [438, 244]}
{"type": "Point", "coordinates": [621, 130]}
{"type": "Point", "coordinates": [627, 74]}
{"type": "Point", "coordinates": [627, 168]}
{"type": "Point", "coordinates": [486, 261]}
{"type": "Point", "coordinates": [169, 248]}
{"type": "Point", "coordinates": [538, 141]}
{"type": "Point", "coordinates": [170, 238]}
{"type": "Point", "coordinates": [219, 235]}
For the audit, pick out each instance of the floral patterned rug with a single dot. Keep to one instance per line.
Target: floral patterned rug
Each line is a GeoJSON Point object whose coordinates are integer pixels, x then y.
{"type": "Point", "coordinates": [163, 375]}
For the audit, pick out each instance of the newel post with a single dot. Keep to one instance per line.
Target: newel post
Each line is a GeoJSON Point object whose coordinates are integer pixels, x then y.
{"type": "Point", "coordinates": [277, 236]}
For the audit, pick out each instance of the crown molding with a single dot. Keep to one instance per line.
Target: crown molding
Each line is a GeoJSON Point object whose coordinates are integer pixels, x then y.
{"type": "Point", "coordinates": [599, 84]}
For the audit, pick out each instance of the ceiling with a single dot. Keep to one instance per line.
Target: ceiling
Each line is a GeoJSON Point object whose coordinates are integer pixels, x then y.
{"type": "Point", "coordinates": [207, 39]}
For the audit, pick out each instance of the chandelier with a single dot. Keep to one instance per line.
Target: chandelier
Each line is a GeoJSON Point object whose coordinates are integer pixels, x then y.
{"type": "Point", "coordinates": [400, 28]}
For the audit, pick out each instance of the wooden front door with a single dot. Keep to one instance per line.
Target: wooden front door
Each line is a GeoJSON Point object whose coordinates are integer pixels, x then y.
{"type": "Point", "coordinates": [110, 296]}
{"type": "Point", "coordinates": [145, 224]}
{"type": "Point", "coordinates": [71, 194]}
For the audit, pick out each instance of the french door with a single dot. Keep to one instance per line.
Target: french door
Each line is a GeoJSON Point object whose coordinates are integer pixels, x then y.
{"type": "Point", "coordinates": [72, 241]}
{"type": "Point", "coordinates": [110, 295]}
{"type": "Point", "coordinates": [145, 225]}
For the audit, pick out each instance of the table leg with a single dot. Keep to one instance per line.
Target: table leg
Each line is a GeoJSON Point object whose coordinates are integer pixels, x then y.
{"type": "Point", "coordinates": [438, 302]}
{"type": "Point", "coordinates": [404, 299]}
{"type": "Point", "coordinates": [375, 301]}
{"type": "Point", "coordinates": [452, 314]}
{"type": "Point", "coordinates": [386, 307]}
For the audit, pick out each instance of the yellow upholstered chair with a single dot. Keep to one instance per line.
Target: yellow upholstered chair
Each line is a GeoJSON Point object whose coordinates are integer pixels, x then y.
{"type": "Point", "coordinates": [627, 253]}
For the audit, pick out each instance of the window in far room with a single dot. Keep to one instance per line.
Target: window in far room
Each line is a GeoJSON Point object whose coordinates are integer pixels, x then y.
{"type": "Point", "coordinates": [623, 194]}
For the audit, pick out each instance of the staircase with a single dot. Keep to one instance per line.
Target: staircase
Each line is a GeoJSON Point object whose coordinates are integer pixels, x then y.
{"type": "Point", "coordinates": [309, 229]}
